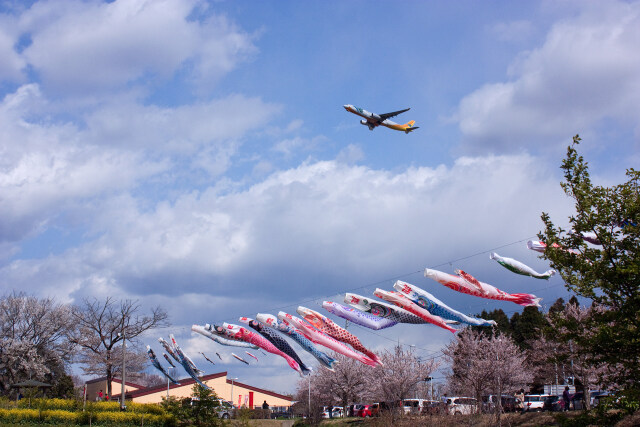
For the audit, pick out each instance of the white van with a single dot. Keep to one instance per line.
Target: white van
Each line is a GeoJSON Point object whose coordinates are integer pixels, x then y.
{"type": "Point", "coordinates": [462, 405]}
{"type": "Point", "coordinates": [534, 402]}
{"type": "Point", "coordinates": [413, 406]}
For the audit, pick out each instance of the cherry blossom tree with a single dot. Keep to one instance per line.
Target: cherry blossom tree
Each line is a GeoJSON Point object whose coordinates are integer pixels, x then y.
{"type": "Point", "coordinates": [34, 339]}
{"type": "Point", "coordinates": [571, 328]}
{"type": "Point", "coordinates": [402, 371]}
{"type": "Point", "coordinates": [345, 385]}
{"type": "Point", "coordinates": [486, 365]}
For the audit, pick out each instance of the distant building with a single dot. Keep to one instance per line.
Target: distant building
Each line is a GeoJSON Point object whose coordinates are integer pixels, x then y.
{"type": "Point", "coordinates": [243, 394]}
{"type": "Point", "coordinates": [94, 386]}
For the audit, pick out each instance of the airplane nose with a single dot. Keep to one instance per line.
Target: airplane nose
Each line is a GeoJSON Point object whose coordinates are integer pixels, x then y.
{"type": "Point", "coordinates": [346, 106]}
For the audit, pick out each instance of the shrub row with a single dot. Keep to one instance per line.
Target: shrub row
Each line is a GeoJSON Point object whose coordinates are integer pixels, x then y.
{"type": "Point", "coordinates": [59, 416]}
{"type": "Point", "coordinates": [73, 405]}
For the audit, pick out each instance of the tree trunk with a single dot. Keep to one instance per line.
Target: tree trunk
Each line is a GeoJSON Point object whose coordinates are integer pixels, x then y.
{"type": "Point", "coordinates": [499, 404]}
{"type": "Point", "coordinates": [109, 378]}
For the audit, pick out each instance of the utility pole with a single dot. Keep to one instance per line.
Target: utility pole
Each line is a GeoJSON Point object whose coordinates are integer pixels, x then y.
{"type": "Point", "coordinates": [169, 369]}
{"type": "Point", "coordinates": [232, 380]}
{"type": "Point", "coordinates": [124, 368]}
{"type": "Point", "coordinates": [309, 396]}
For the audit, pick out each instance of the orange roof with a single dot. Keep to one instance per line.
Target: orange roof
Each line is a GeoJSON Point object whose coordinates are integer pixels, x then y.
{"type": "Point", "coordinates": [190, 381]}
{"type": "Point", "coordinates": [115, 380]}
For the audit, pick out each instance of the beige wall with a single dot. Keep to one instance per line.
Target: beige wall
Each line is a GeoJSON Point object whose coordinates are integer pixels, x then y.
{"type": "Point", "coordinates": [222, 388]}
{"type": "Point", "coordinates": [95, 386]}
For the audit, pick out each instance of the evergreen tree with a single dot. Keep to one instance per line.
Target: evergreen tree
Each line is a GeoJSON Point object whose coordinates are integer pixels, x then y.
{"type": "Point", "coordinates": [526, 327]}
{"type": "Point", "coordinates": [608, 273]}
{"type": "Point", "coordinates": [556, 307]}
{"type": "Point", "coordinates": [502, 323]}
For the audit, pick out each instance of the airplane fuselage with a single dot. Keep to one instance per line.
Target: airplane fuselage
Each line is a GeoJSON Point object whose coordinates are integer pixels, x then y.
{"type": "Point", "coordinates": [373, 120]}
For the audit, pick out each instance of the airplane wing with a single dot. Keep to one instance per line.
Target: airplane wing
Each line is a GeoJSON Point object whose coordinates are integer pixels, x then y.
{"type": "Point", "coordinates": [389, 115]}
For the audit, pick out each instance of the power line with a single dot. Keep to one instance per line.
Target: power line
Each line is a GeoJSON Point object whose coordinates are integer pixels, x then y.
{"type": "Point", "coordinates": [434, 353]}
{"type": "Point", "coordinates": [397, 277]}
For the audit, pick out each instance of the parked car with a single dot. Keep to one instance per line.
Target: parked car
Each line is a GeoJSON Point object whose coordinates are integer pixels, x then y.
{"type": "Point", "coordinates": [577, 401]}
{"type": "Point", "coordinates": [366, 411]}
{"type": "Point", "coordinates": [280, 414]}
{"type": "Point", "coordinates": [597, 396]}
{"type": "Point", "coordinates": [413, 406]}
{"type": "Point", "coordinates": [224, 409]}
{"type": "Point", "coordinates": [553, 404]}
{"type": "Point", "coordinates": [508, 402]}
{"type": "Point", "coordinates": [534, 402]}
{"type": "Point", "coordinates": [332, 412]}
{"type": "Point", "coordinates": [352, 410]}
{"type": "Point", "coordinates": [462, 405]}
{"type": "Point", "coordinates": [434, 407]}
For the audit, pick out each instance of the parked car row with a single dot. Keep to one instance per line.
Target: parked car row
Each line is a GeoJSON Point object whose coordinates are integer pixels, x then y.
{"type": "Point", "coordinates": [468, 405]}
{"type": "Point", "coordinates": [547, 402]}
{"type": "Point", "coordinates": [508, 403]}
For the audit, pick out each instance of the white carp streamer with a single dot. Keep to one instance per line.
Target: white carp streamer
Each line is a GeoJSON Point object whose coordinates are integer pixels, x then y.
{"type": "Point", "coordinates": [468, 284]}
{"type": "Point", "coordinates": [402, 301]}
{"type": "Point", "coordinates": [207, 332]}
{"type": "Point", "coordinates": [425, 300]}
{"type": "Point", "coordinates": [520, 268]}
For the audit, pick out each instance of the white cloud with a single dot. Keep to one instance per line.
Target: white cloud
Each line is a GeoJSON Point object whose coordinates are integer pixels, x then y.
{"type": "Point", "coordinates": [181, 129]}
{"type": "Point", "coordinates": [350, 154]}
{"type": "Point", "coordinates": [12, 64]}
{"type": "Point", "coordinates": [587, 70]}
{"type": "Point", "coordinates": [291, 146]}
{"type": "Point", "coordinates": [49, 165]}
{"type": "Point", "coordinates": [100, 46]}
{"type": "Point", "coordinates": [304, 233]}
{"type": "Point", "coordinates": [314, 222]}
{"type": "Point", "coordinates": [44, 166]}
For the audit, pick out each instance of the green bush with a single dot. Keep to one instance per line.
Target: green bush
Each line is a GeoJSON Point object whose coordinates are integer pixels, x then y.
{"type": "Point", "coordinates": [17, 416]}
{"type": "Point", "coordinates": [150, 415]}
{"type": "Point", "coordinates": [59, 416]}
{"type": "Point", "coordinates": [63, 404]}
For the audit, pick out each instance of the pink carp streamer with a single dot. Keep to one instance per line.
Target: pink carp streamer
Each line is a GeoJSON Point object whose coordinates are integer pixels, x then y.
{"type": "Point", "coordinates": [327, 326]}
{"type": "Point", "coordinates": [319, 337]}
{"type": "Point", "coordinates": [238, 332]}
{"type": "Point", "coordinates": [538, 246]}
{"type": "Point", "coordinates": [468, 284]}
{"type": "Point", "coordinates": [403, 302]}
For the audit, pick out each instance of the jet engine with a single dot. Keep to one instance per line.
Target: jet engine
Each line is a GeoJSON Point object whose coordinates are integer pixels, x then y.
{"type": "Point", "coordinates": [366, 123]}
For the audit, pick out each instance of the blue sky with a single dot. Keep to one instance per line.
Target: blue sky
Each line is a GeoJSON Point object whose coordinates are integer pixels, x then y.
{"type": "Point", "coordinates": [196, 154]}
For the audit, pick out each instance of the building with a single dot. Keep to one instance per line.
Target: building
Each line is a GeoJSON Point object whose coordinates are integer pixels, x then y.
{"type": "Point", "coordinates": [100, 384]}
{"type": "Point", "coordinates": [240, 393]}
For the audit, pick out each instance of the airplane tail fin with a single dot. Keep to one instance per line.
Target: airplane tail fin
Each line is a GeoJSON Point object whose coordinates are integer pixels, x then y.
{"type": "Point", "coordinates": [409, 126]}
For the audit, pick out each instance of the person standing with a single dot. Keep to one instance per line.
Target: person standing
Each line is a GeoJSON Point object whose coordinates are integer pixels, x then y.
{"type": "Point", "coordinates": [566, 399]}
{"type": "Point", "coordinates": [100, 395]}
{"type": "Point", "coordinates": [520, 402]}
{"type": "Point", "coordinates": [265, 408]}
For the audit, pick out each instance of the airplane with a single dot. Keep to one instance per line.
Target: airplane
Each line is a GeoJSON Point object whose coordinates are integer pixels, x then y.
{"type": "Point", "coordinates": [374, 120]}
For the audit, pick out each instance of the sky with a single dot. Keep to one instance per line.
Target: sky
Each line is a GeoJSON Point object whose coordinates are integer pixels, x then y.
{"type": "Point", "coordinates": [195, 155]}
